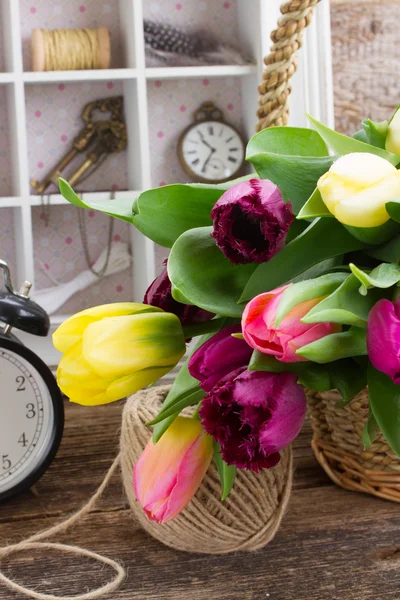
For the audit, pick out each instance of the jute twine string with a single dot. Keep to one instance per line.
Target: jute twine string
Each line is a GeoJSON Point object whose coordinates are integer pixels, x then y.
{"type": "Point", "coordinates": [70, 49]}
{"type": "Point", "coordinates": [281, 63]}
{"type": "Point", "coordinates": [247, 520]}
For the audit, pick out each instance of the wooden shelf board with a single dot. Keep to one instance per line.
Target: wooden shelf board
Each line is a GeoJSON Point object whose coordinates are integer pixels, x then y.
{"type": "Point", "coordinates": [84, 75]}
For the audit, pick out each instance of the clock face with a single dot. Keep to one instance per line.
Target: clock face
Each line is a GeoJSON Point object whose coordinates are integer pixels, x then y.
{"type": "Point", "coordinates": [30, 422]}
{"type": "Point", "coordinates": [212, 151]}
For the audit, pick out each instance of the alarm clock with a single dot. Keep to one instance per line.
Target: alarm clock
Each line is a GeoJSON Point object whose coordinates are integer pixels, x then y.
{"type": "Point", "coordinates": [211, 150]}
{"type": "Point", "coordinates": [31, 404]}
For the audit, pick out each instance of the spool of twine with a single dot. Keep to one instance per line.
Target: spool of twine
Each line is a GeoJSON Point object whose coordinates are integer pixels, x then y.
{"type": "Point", "coordinates": [247, 520]}
{"type": "Point", "coordinates": [70, 49]}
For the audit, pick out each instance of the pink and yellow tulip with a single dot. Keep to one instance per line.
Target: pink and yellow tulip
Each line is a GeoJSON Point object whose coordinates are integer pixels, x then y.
{"type": "Point", "coordinates": [282, 341]}
{"type": "Point", "coordinates": [168, 474]}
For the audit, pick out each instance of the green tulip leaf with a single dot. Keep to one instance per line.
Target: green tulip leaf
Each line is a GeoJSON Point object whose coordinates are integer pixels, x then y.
{"type": "Point", "coordinates": [227, 473]}
{"type": "Point", "coordinates": [323, 239]}
{"type": "Point", "coordinates": [296, 228]}
{"type": "Point", "coordinates": [183, 382]}
{"type": "Point", "coordinates": [120, 208]}
{"type": "Point", "coordinates": [384, 276]}
{"type": "Point", "coordinates": [373, 133]}
{"type": "Point", "coordinates": [342, 144]}
{"type": "Point", "coordinates": [384, 401]}
{"type": "Point", "coordinates": [375, 236]}
{"type": "Point", "coordinates": [348, 377]}
{"type": "Point", "coordinates": [293, 158]}
{"type": "Point", "coordinates": [202, 274]}
{"type": "Point", "coordinates": [315, 377]}
{"type": "Point", "coordinates": [191, 396]}
{"type": "Point", "coordinates": [314, 207]}
{"type": "Point", "coordinates": [388, 252]}
{"type": "Point", "coordinates": [393, 210]}
{"type": "Point", "coordinates": [335, 346]}
{"type": "Point", "coordinates": [344, 306]}
{"type": "Point", "coordinates": [306, 290]}
{"type": "Point", "coordinates": [369, 431]}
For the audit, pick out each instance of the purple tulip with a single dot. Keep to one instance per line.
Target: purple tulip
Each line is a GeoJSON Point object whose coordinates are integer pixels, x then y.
{"type": "Point", "coordinates": [251, 221]}
{"type": "Point", "coordinates": [219, 356]}
{"type": "Point", "coordinates": [383, 338]}
{"type": "Point", "coordinates": [159, 294]}
{"type": "Point", "coordinates": [254, 415]}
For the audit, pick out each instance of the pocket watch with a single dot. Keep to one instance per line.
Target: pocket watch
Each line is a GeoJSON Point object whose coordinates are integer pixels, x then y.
{"type": "Point", "coordinates": [211, 150]}
{"type": "Point", "coordinates": [31, 405]}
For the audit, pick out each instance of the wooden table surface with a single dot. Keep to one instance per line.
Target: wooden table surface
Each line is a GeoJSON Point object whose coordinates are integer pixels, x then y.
{"type": "Point", "coordinates": [332, 544]}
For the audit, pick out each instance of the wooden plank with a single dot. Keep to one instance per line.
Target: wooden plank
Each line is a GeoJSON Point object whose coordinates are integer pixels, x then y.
{"type": "Point", "coordinates": [332, 544]}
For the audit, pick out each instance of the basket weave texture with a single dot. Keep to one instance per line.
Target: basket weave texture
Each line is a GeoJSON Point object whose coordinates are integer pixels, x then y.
{"type": "Point", "coordinates": [338, 447]}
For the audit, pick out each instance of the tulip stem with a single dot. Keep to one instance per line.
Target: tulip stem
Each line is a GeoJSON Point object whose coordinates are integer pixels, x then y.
{"type": "Point", "coordinates": [196, 329]}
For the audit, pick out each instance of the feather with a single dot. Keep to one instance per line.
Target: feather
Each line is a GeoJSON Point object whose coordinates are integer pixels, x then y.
{"type": "Point", "coordinates": [168, 45]}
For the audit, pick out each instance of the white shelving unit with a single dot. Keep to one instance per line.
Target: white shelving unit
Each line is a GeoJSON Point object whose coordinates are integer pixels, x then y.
{"type": "Point", "coordinates": [255, 18]}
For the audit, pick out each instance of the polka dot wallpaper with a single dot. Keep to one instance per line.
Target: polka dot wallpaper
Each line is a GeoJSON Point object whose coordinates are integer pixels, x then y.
{"type": "Point", "coordinates": [217, 17]}
{"type": "Point", "coordinates": [59, 254]}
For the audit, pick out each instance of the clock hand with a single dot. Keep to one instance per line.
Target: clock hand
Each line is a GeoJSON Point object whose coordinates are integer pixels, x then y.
{"type": "Point", "coordinates": [204, 141]}
{"type": "Point", "coordinates": [207, 160]}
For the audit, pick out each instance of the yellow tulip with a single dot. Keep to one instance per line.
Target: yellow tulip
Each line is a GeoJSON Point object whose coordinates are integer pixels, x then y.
{"type": "Point", "coordinates": [392, 143]}
{"type": "Point", "coordinates": [112, 351]}
{"type": "Point", "coordinates": [357, 187]}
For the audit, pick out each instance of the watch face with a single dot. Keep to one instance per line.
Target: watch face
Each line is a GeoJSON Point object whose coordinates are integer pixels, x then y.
{"type": "Point", "coordinates": [31, 422]}
{"type": "Point", "coordinates": [212, 151]}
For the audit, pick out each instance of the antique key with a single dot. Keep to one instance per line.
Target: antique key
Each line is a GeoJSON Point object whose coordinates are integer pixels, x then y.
{"type": "Point", "coordinates": [98, 137]}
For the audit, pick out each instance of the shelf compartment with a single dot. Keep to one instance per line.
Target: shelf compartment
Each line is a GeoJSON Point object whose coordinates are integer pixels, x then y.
{"type": "Point", "coordinates": [54, 119]}
{"type": "Point", "coordinates": [117, 17]}
{"type": "Point", "coordinates": [59, 253]}
{"type": "Point", "coordinates": [218, 20]}
{"type": "Point", "coordinates": [171, 108]}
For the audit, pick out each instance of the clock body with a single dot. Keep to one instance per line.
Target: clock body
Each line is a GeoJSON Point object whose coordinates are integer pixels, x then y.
{"type": "Point", "coordinates": [31, 417]}
{"type": "Point", "coordinates": [211, 151]}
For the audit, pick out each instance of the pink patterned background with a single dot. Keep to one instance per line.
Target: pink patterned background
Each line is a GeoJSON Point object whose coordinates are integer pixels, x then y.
{"type": "Point", "coordinates": [217, 17]}
{"type": "Point", "coordinates": [53, 119]}
{"type": "Point", "coordinates": [59, 248]}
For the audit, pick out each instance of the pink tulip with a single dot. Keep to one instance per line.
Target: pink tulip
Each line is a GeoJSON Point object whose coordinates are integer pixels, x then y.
{"type": "Point", "coordinates": [168, 474]}
{"type": "Point", "coordinates": [383, 338]}
{"type": "Point", "coordinates": [282, 341]}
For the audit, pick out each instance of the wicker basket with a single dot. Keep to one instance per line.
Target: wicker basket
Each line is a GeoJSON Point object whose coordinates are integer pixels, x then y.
{"type": "Point", "coordinates": [338, 447]}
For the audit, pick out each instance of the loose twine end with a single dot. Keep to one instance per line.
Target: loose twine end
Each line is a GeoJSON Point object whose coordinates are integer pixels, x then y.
{"type": "Point", "coordinates": [35, 542]}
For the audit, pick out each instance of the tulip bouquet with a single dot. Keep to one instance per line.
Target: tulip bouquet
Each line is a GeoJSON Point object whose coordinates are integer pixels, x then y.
{"type": "Point", "coordinates": [287, 278]}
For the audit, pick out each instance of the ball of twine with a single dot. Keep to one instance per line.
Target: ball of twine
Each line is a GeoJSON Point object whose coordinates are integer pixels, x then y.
{"type": "Point", "coordinates": [247, 520]}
